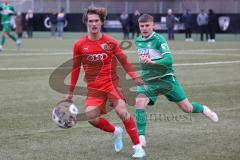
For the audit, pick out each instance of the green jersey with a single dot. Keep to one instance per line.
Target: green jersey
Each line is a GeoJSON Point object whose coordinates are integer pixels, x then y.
{"type": "Point", "coordinates": [7, 11]}
{"type": "Point", "coordinates": [156, 48]}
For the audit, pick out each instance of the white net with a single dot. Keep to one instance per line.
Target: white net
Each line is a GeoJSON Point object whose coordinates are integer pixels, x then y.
{"type": "Point", "coordinates": [22, 5]}
{"type": "Point", "coordinates": [116, 6]}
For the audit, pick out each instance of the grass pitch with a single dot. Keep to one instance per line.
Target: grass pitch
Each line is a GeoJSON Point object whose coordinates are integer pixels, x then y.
{"type": "Point", "coordinates": [209, 73]}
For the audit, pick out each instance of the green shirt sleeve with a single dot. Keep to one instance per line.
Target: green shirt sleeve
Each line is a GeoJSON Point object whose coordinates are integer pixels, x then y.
{"type": "Point", "coordinates": [166, 60]}
{"type": "Point", "coordinates": [13, 10]}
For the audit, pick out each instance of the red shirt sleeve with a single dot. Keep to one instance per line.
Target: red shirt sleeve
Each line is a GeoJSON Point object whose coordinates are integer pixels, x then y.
{"type": "Point", "coordinates": [76, 65]}
{"type": "Point", "coordinates": [122, 58]}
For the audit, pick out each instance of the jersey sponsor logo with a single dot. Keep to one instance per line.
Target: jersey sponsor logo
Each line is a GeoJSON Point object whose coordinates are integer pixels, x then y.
{"type": "Point", "coordinates": [97, 57]}
{"type": "Point", "coordinates": [143, 51]}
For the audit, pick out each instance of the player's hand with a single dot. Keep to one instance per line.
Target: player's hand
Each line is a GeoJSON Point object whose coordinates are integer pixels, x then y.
{"type": "Point", "coordinates": [68, 97]}
{"type": "Point", "coordinates": [138, 81]}
{"type": "Point", "coordinates": [147, 60]}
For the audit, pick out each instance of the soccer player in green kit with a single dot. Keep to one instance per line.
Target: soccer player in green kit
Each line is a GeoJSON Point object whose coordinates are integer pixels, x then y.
{"type": "Point", "coordinates": [158, 74]}
{"type": "Point", "coordinates": [7, 11]}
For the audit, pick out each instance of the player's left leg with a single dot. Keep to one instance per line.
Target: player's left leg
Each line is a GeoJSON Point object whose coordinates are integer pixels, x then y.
{"type": "Point", "coordinates": [14, 38]}
{"type": "Point", "coordinates": [177, 95]}
{"type": "Point", "coordinates": [195, 107]}
{"type": "Point", "coordinates": [93, 116]}
{"type": "Point", "coordinates": [94, 109]}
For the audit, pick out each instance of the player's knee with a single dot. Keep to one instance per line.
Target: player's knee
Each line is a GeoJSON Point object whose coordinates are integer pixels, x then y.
{"type": "Point", "coordinates": [124, 115]}
{"type": "Point", "coordinates": [186, 109]}
{"type": "Point", "coordinates": [185, 105]}
{"type": "Point", "coordinates": [122, 112]}
{"type": "Point", "coordinates": [92, 113]}
{"type": "Point", "coordinates": [141, 102]}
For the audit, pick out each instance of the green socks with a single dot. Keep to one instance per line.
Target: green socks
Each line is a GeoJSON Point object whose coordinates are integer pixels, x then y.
{"type": "Point", "coordinates": [197, 108]}
{"type": "Point", "coordinates": [13, 37]}
{"type": "Point", "coordinates": [141, 120]}
{"type": "Point", "coordinates": [3, 40]}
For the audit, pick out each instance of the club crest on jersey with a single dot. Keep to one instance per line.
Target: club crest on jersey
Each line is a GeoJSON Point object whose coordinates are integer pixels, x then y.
{"type": "Point", "coordinates": [149, 44]}
{"type": "Point", "coordinates": [104, 46]}
{"type": "Point", "coordinates": [223, 22]}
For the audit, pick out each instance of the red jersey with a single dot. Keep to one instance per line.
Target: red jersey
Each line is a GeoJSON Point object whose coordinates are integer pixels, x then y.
{"type": "Point", "coordinates": [99, 60]}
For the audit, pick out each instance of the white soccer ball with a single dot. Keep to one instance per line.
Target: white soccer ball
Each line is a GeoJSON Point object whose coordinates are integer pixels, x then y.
{"type": "Point", "coordinates": [64, 115]}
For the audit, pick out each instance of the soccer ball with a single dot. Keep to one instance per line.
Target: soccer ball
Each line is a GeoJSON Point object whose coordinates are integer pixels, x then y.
{"type": "Point", "coordinates": [64, 114]}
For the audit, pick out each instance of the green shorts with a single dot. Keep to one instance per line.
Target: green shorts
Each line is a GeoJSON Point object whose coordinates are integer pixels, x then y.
{"type": "Point", "coordinates": [168, 86]}
{"type": "Point", "coordinates": [6, 27]}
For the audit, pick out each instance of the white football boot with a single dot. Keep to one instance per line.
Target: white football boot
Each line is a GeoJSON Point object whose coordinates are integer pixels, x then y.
{"type": "Point", "coordinates": [138, 151]}
{"type": "Point", "coordinates": [1, 48]}
{"type": "Point", "coordinates": [18, 44]}
{"type": "Point", "coordinates": [117, 135]}
{"type": "Point", "coordinates": [210, 114]}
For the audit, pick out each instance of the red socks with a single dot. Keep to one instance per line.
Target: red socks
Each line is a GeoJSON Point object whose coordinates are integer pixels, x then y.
{"type": "Point", "coordinates": [105, 125]}
{"type": "Point", "coordinates": [132, 131]}
{"type": "Point", "coordinates": [129, 124]}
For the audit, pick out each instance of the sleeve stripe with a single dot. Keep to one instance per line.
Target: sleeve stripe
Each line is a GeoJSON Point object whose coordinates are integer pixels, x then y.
{"type": "Point", "coordinates": [165, 53]}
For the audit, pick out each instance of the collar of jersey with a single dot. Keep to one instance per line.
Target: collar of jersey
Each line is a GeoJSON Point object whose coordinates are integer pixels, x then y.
{"type": "Point", "coordinates": [148, 37]}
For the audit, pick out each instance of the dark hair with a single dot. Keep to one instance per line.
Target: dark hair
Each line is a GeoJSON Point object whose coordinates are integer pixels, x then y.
{"type": "Point", "coordinates": [210, 11]}
{"type": "Point", "coordinates": [101, 12]}
{"type": "Point", "coordinates": [145, 18]}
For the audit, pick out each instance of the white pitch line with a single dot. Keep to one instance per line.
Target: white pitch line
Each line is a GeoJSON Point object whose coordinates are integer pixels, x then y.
{"type": "Point", "coordinates": [207, 50]}
{"type": "Point", "coordinates": [197, 50]}
{"type": "Point", "coordinates": [206, 63]}
{"type": "Point", "coordinates": [37, 54]}
{"type": "Point", "coordinates": [26, 68]}
{"type": "Point", "coordinates": [177, 65]}
{"type": "Point", "coordinates": [39, 50]}
{"type": "Point", "coordinates": [69, 52]}
{"type": "Point", "coordinates": [127, 51]}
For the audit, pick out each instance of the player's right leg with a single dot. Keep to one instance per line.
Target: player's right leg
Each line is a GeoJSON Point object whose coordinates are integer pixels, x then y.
{"type": "Point", "coordinates": [141, 117]}
{"type": "Point", "coordinates": [3, 40]}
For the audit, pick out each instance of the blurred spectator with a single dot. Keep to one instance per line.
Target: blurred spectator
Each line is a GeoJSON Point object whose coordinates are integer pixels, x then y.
{"type": "Point", "coordinates": [202, 21]}
{"type": "Point", "coordinates": [211, 25]}
{"type": "Point", "coordinates": [170, 23]}
{"type": "Point", "coordinates": [61, 18]}
{"type": "Point", "coordinates": [134, 24]}
{"type": "Point", "coordinates": [53, 22]}
{"type": "Point", "coordinates": [188, 24]}
{"type": "Point", "coordinates": [124, 19]}
{"type": "Point", "coordinates": [19, 26]}
{"type": "Point", "coordinates": [29, 23]}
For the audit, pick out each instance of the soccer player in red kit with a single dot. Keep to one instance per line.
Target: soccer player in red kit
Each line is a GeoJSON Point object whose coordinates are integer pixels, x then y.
{"type": "Point", "coordinates": [99, 54]}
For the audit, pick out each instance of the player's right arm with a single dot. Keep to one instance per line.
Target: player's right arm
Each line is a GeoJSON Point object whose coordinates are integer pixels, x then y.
{"type": "Point", "coordinates": [75, 71]}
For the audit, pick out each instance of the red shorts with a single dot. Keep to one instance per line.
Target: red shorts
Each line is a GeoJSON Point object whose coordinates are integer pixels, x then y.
{"type": "Point", "coordinates": [99, 98]}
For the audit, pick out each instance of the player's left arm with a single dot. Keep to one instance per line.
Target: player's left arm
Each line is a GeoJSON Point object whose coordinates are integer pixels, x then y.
{"type": "Point", "coordinates": [13, 11]}
{"type": "Point", "coordinates": [122, 58]}
{"type": "Point", "coordinates": [166, 60]}
{"type": "Point", "coordinates": [127, 66]}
